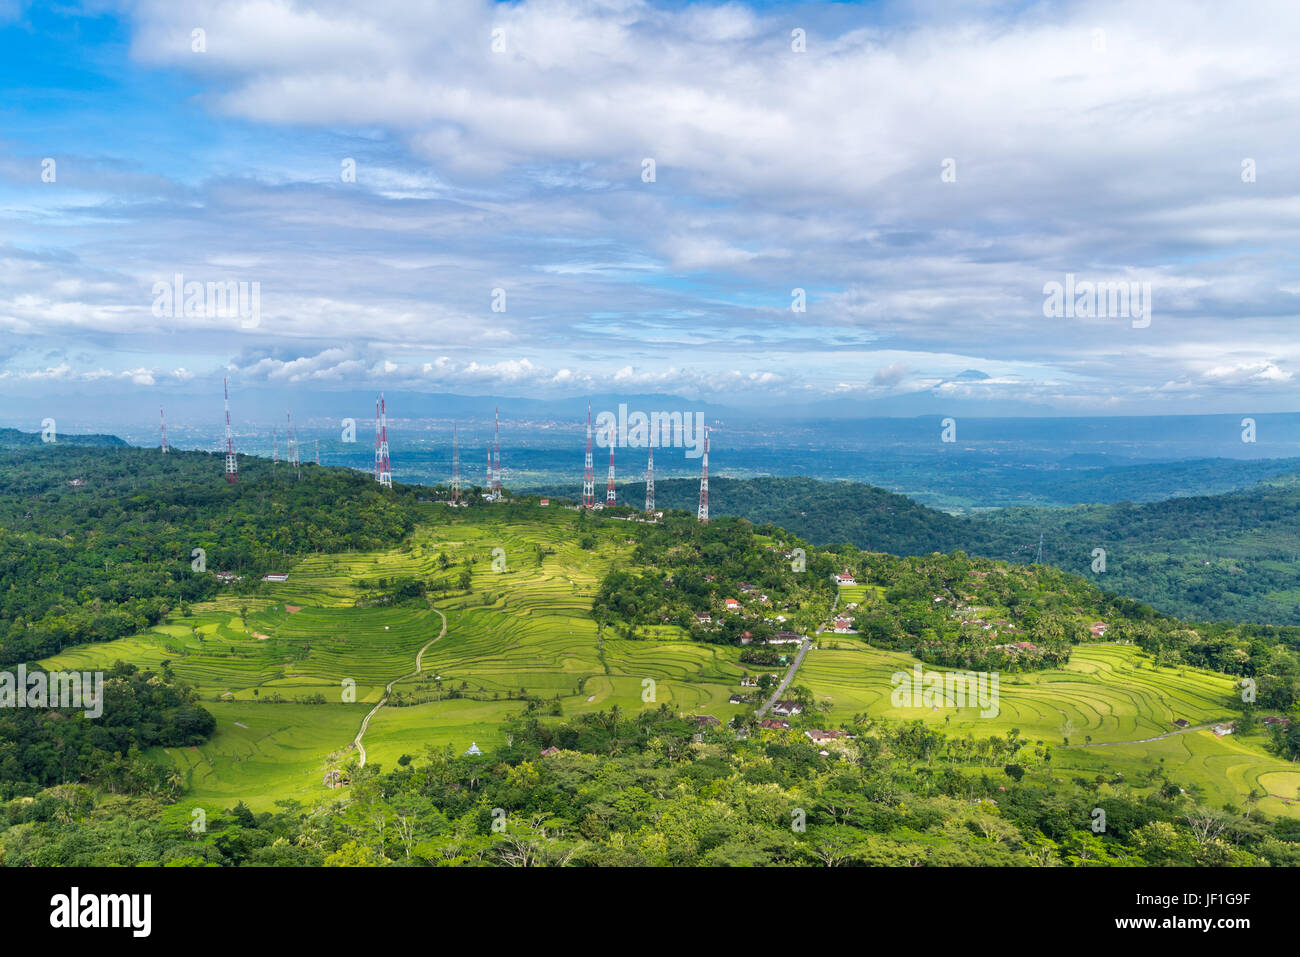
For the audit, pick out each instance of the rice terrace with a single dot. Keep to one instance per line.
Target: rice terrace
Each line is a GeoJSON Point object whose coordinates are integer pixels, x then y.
{"type": "Point", "coordinates": [485, 624]}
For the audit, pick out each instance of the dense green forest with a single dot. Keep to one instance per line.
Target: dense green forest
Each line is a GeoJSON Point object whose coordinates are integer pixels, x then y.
{"type": "Point", "coordinates": [47, 747]}
{"type": "Point", "coordinates": [1230, 557]}
{"type": "Point", "coordinates": [96, 545]}
{"type": "Point", "coordinates": [639, 791]}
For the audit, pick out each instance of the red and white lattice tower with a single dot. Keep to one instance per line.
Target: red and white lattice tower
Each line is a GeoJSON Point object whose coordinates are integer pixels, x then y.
{"type": "Point", "coordinates": [455, 465]}
{"type": "Point", "coordinates": [383, 468]}
{"type": "Point", "coordinates": [232, 466]}
{"type": "Point", "coordinates": [589, 470]}
{"type": "Point", "coordinates": [496, 468]}
{"type": "Point", "coordinates": [609, 485]}
{"type": "Point", "coordinates": [488, 486]}
{"type": "Point", "coordinates": [650, 482]}
{"type": "Point", "coordinates": [163, 420]}
{"type": "Point", "coordinates": [703, 513]}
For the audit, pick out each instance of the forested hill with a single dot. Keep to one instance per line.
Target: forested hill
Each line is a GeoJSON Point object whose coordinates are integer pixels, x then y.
{"type": "Point", "coordinates": [100, 543]}
{"type": "Point", "coordinates": [14, 439]}
{"type": "Point", "coordinates": [1229, 557]}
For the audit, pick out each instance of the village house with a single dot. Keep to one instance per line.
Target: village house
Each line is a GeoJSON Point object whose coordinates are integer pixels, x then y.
{"type": "Point", "coordinates": [843, 626]}
{"type": "Point", "coordinates": [704, 618]}
{"type": "Point", "coordinates": [845, 579]}
{"type": "Point", "coordinates": [1017, 646]}
{"type": "Point", "coordinates": [276, 577]}
{"type": "Point", "coordinates": [771, 724]}
{"type": "Point", "coordinates": [1098, 629]}
{"type": "Point", "coordinates": [550, 752]}
{"type": "Point", "coordinates": [1224, 729]}
{"type": "Point", "coordinates": [821, 737]}
{"type": "Point", "coordinates": [732, 604]}
{"type": "Point", "coordinates": [787, 708]}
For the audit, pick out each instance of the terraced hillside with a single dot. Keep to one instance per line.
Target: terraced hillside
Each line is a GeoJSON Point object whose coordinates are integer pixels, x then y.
{"type": "Point", "coordinates": [523, 628]}
{"type": "Point", "coordinates": [290, 674]}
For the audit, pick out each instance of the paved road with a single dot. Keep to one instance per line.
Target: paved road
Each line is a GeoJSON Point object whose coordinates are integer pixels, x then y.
{"type": "Point", "coordinates": [794, 666]}
{"type": "Point", "coordinates": [388, 689]}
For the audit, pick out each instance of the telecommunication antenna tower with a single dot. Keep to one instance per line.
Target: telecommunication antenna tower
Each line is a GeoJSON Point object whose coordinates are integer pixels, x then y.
{"type": "Point", "coordinates": [589, 470]}
{"type": "Point", "coordinates": [232, 465]}
{"type": "Point", "coordinates": [383, 468]}
{"type": "Point", "coordinates": [703, 513]}
{"type": "Point", "coordinates": [496, 470]}
{"type": "Point", "coordinates": [650, 483]}
{"type": "Point", "coordinates": [455, 465]}
{"type": "Point", "coordinates": [609, 486]}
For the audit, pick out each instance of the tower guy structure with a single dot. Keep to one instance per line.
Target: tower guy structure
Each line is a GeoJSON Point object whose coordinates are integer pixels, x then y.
{"type": "Point", "coordinates": [232, 466]}
{"type": "Point", "coordinates": [383, 468]}
{"type": "Point", "coordinates": [162, 419]}
{"type": "Point", "coordinates": [703, 513]}
{"type": "Point", "coordinates": [589, 470]}
{"type": "Point", "coordinates": [275, 446]}
{"type": "Point", "coordinates": [650, 482]}
{"type": "Point", "coordinates": [609, 485]}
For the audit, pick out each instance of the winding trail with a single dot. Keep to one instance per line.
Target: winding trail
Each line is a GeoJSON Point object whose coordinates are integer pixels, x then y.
{"type": "Point", "coordinates": [388, 689]}
{"type": "Point", "coordinates": [1158, 737]}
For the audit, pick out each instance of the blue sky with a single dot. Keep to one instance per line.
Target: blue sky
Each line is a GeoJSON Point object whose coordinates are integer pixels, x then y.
{"type": "Point", "coordinates": [1100, 140]}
